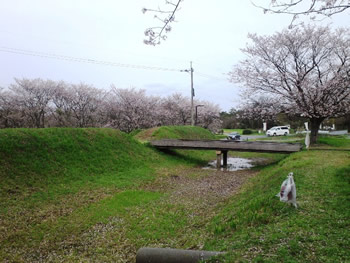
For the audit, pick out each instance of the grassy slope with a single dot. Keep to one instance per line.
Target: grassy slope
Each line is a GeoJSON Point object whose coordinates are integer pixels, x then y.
{"type": "Point", "coordinates": [58, 183]}
{"type": "Point", "coordinates": [181, 132]}
{"type": "Point", "coordinates": [51, 180]}
{"type": "Point", "coordinates": [336, 141]}
{"type": "Point", "coordinates": [255, 226]}
{"type": "Point", "coordinates": [74, 194]}
{"type": "Point", "coordinates": [175, 132]}
{"type": "Point", "coordinates": [35, 162]}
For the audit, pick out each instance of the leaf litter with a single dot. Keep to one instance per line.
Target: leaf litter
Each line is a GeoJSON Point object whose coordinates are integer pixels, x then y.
{"type": "Point", "coordinates": [196, 190]}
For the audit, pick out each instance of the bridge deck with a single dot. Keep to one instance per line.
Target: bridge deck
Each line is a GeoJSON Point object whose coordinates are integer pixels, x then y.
{"type": "Point", "coordinates": [221, 145]}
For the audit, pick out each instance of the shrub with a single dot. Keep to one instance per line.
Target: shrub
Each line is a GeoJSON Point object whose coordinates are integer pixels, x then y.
{"type": "Point", "coordinates": [245, 132]}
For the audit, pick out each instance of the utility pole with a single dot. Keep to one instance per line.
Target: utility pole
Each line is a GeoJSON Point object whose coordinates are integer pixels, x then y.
{"type": "Point", "coordinates": [192, 92]}
{"type": "Point", "coordinates": [192, 95]}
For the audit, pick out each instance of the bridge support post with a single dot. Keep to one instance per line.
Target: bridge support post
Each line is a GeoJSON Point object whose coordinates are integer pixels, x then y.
{"type": "Point", "coordinates": [224, 156]}
{"type": "Point", "coordinates": [218, 159]}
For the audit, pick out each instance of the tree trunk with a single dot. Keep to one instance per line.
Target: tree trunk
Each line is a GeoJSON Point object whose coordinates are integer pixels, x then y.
{"type": "Point", "coordinates": [347, 119]}
{"type": "Point", "coordinates": [315, 126]}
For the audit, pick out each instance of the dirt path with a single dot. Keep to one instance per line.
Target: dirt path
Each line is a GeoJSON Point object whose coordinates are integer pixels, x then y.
{"type": "Point", "coordinates": [200, 191]}
{"type": "Point", "coordinates": [201, 186]}
{"type": "Point", "coordinates": [195, 193]}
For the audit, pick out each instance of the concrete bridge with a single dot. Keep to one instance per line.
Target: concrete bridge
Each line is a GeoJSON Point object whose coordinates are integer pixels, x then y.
{"type": "Point", "coordinates": [222, 147]}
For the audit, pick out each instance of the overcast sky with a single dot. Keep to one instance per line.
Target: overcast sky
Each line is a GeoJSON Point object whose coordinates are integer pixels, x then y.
{"type": "Point", "coordinates": [210, 33]}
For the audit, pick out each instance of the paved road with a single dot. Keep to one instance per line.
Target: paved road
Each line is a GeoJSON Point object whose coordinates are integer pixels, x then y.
{"type": "Point", "coordinates": [343, 132]}
{"type": "Point", "coordinates": [250, 137]}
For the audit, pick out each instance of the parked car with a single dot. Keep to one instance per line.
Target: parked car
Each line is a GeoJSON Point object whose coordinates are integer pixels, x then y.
{"type": "Point", "coordinates": [278, 130]}
{"type": "Point", "coordinates": [234, 136]}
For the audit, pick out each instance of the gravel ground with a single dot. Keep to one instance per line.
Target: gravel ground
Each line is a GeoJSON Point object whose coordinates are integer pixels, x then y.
{"type": "Point", "coordinates": [201, 187]}
{"type": "Point", "coordinates": [208, 188]}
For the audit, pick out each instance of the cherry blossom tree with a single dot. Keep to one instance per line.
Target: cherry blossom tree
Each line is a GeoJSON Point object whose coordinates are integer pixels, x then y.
{"type": "Point", "coordinates": [32, 97]}
{"type": "Point", "coordinates": [313, 8]}
{"type": "Point", "coordinates": [10, 115]}
{"type": "Point", "coordinates": [38, 103]}
{"type": "Point", "coordinates": [62, 106]}
{"type": "Point", "coordinates": [307, 70]}
{"type": "Point", "coordinates": [175, 110]}
{"type": "Point", "coordinates": [86, 104]}
{"type": "Point", "coordinates": [208, 115]}
{"type": "Point", "coordinates": [260, 108]}
{"type": "Point", "coordinates": [131, 109]}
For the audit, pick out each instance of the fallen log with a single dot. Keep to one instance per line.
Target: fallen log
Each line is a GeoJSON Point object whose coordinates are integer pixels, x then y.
{"type": "Point", "coordinates": [169, 255]}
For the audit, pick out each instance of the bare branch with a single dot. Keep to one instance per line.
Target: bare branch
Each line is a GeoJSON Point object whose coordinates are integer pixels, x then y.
{"type": "Point", "coordinates": [157, 34]}
{"type": "Point", "coordinates": [316, 8]}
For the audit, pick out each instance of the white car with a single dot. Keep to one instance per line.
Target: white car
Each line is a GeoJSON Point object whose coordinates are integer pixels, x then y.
{"type": "Point", "coordinates": [278, 130]}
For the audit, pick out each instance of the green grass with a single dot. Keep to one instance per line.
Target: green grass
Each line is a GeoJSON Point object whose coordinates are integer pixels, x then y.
{"type": "Point", "coordinates": [97, 195]}
{"type": "Point", "coordinates": [200, 158]}
{"type": "Point", "coordinates": [58, 183]}
{"type": "Point", "coordinates": [45, 163]}
{"type": "Point", "coordinates": [220, 136]}
{"type": "Point", "coordinates": [255, 226]}
{"type": "Point", "coordinates": [175, 132]}
{"type": "Point", "coordinates": [293, 138]}
{"type": "Point", "coordinates": [336, 141]}
{"type": "Point", "coordinates": [240, 131]}
{"type": "Point", "coordinates": [42, 164]}
{"type": "Point", "coordinates": [324, 141]}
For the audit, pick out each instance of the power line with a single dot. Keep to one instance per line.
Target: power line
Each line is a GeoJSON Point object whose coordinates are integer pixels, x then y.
{"type": "Point", "coordinates": [210, 76]}
{"type": "Point", "coordinates": [96, 62]}
{"type": "Point", "coordinates": [81, 60]}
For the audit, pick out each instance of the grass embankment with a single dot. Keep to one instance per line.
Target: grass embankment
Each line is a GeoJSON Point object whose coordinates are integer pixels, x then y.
{"type": "Point", "coordinates": [75, 195]}
{"type": "Point", "coordinates": [60, 186]}
{"type": "Point", "coordinates": [336, 142]}
{"type": "Point", "coordinates": [339, 142]}
{"type": "Point", "coordinates": [175, 132]}
{"type": "Point", "coordinates": [181, 132]}
{"type": "Point", "coordinates": [255, 226]}
{"type": "Point", "coordinates": [56, 183]}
